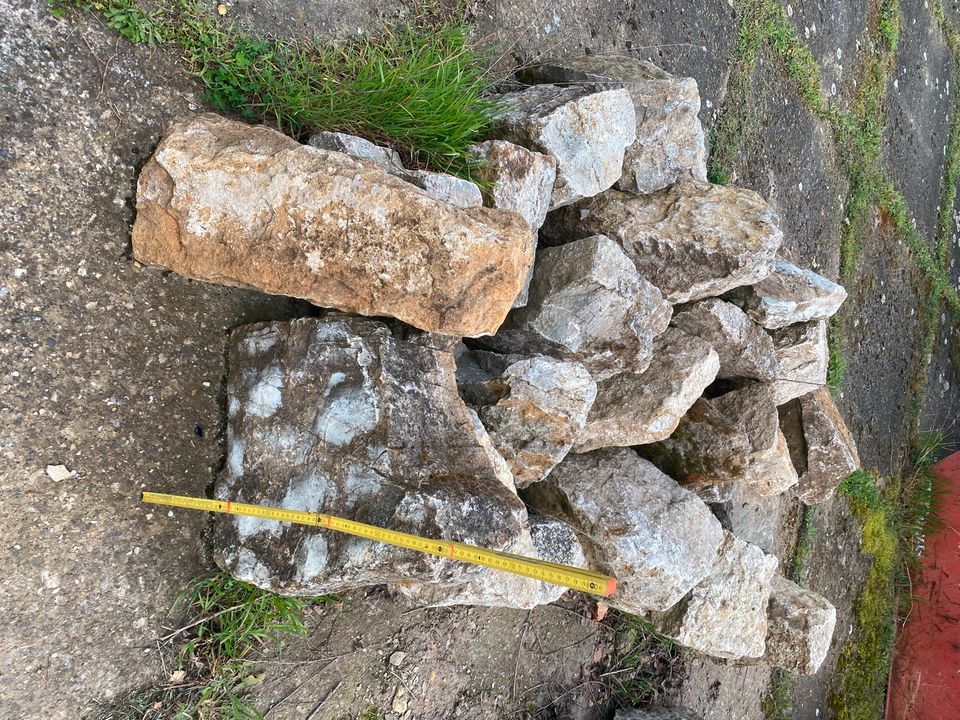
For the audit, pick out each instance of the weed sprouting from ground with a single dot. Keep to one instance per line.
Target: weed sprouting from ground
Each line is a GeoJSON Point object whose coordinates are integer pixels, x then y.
{"type": "Point", "coordinates": [419, 87]}
{"type": "Point", "coordinates": [646, 663]}
{"type": "Point", "coordinates": [220, 625]}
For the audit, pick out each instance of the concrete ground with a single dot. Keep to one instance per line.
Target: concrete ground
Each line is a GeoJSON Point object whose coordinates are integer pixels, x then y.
{"type": "Point", "coordinates": [116, 371]}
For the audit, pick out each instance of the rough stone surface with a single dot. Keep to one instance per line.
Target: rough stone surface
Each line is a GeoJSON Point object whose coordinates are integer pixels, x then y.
{"type": "Point", "coordinates": [734, 438]}
{"type": "Point", "coordinates": [633, 409]}
{"type": "Point", "coordinates": [670, 139]}
{"type": "Point", "coordinates": [226, 202]}
{"type": "Point", "coordinates": [660, 712]}
{"type": "Point", "coordinates": [800, 627]}
{"type": "Point", "coordinates": [520, 180]}
{"type": "Point", "coordinates": [831, 453]}
{"type": "Point", "coordinates": [550, 540]}
{"type": "Point", "coordinates": [588, 304]}
{"type": "Point", "coordinates": [789, 295]}
{"type": "Point", "coordinates": [804, 358]}
{"type": "Point", "coordinates": [726, 614]}
{"type": "Point", "coordinates": [319, 420]}
{"type": "Point", "coordinates": [692, 240]}
{"type": "Point", "coordinates": [586, 128]}
{"type": "Point", "coordinates": [544, 407]}
{"type": "Point", "coordinates": [658, 539]}
{"type": "Point", "coordinates": [357, 147]}
{"type": "Point", "coordinates": [745, 350]}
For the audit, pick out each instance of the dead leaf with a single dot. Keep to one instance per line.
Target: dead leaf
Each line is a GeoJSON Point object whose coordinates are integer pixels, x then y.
{"type": "Point", "coordinates": [600, 612]}
{"type": "Point", "coordinates": [598, 654]}
{"type": "Point", "coordinates": [178, 676]}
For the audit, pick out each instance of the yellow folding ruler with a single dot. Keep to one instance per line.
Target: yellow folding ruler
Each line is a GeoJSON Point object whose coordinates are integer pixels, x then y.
{"type": "Point", "coordinates": [565, 575]}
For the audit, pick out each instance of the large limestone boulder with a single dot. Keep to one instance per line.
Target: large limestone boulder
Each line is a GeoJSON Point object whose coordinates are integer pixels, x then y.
{"type": "Point", "coordinates": [586, 128]}
{"type": "Point", "coordinates": [550, 540]}
{"type": "Point", "coordinates": [790, 295]}
{"type": "Point", "coordinates": [518, 179]}
{"type": "Point", "coordinates": [692, 240]}
{"type": "Point", "coordinates": [725, 615]}
{"type": "Point", "coordinates": [829, 448]}
{"type": "Point", "coordinates": [587, 304]}
{"type": "Point", "coordinates": [734, 438]}
{"type": "Point", "coordinates": [543, 407]}
{"type": "Point", "coordinates": [633, 409]}
{"type": "Point", "coordinates": [226, 202]}
{"type": "Point", "coordinates": [337, 415]}
{"type": "Point", "coordinates": [670, 139]}
{"type": "Point", "coordinates": [744, 348]}
{"type": "Point", "coordinates": [804, 358]}
{"type": "Point", "coordinates": [800, 627]}
{"type": "Point", "coordinates": [658, 539]}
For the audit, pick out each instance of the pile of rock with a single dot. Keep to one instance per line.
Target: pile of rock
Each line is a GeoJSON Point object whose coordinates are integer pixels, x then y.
{"type": "Point", "coordinates": [594, 328]}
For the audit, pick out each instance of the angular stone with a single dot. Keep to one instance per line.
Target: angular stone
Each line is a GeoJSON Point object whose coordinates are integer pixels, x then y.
{"type": "Point", "coordinates": [586, 128]}
{"type": "Point", "coordinates": [544, 407]}
{"type": "Point", "coordinates": [520, 180]}
{"type": "Point", "coordinates": [658, 539]}
{"type": "Point", "coordinates": [448, 188]}
{"type": "Point", "coordinates": [744, 348]}
{"type": "Point", "coordinates": [734, 438]}
{"type": "Point", "coordinates": [831, 453]}
{"type": "Point", "coordinates": [659, 712]}
{"type": "Point", "coordinates": [726, 614]}
{"type": "Point", "coordinates": [804, 358]}
{"type": "Point", "coordinates": [587, 304]}
{"type": "Point", "coordinates": [692, 240]}
{"type": "Point", "coordinates": [790, 295]}
{"type": "Point", "coordinates": [800, 626]}
{"type": "Point", "coordinates": [633, 409]}
{"type": "Point", "coordinates": [550, 540]}
{"type": "Point", "coordinates": [670, 139]}
{"type": "Point", "coordinates": [226, 202]}
{"type": "Point", "coordinates": [336, 415]}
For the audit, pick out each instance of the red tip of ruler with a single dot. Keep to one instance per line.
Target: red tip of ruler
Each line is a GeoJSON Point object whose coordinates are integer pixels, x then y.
{"type": "Point", "coordinates": [611, 587]}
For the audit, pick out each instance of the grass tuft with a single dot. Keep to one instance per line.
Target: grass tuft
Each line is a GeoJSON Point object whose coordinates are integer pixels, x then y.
{"type": "Point", "coordinates": [645, 666]}
{"type": "Point", "coordinates": [418, 87]}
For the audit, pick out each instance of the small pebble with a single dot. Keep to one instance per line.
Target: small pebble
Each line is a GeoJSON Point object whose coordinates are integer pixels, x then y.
{"type": "Point", "coordinates": [58, 473]}
{"type": "Point", "coordinates": [397, 658]}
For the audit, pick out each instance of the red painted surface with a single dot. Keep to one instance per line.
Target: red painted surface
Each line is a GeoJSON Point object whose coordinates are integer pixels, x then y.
{"type": "Point", "coordinates": [925, 677]}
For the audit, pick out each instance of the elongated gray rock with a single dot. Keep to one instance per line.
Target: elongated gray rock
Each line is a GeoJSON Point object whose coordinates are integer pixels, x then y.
{"type": "Point", "coordinates": [670, 139]}
{"type": "Point", "coordinates": [658, 712]}
{"type": "Point", "coordinates": [587, 304]}
{"type": "Point", "coordinates": [550, 540]}
{"type": "Point", "coordinates": [734, 438]}
{"type": "Point", "coordinates": [800, 626]}
{"type": "Point", "coordinates": [226, 202]}
{"type": "Point", "coordinates": [447, 188]}
{"type": "Point", "coordinates": [633, 409]}
{"type": "Point", "coordinates": [338, 416]}
{"type": "Point", "coordinates": [543, 409]}
{"type": "Point", "coordinates": [830, 451]}
{"type": "Point", "coordinates": [587, 129]}
{"type": "Point", "coordinates": [725, 615]}
{"type": "Point", "coordinates": [804, 358]}
{"type": "Point", "coordinates": [744, 348]}
{"type": "Point", "coordinates": [790, 295]}
{"type": "Point", "coordinates": [519, 179]}
{"type": "Point", "coordinates": [658, 539]}
{"type": "Point", "coordinates": [692, 240]}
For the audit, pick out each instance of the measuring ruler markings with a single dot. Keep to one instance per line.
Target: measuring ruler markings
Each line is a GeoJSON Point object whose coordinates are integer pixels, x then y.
{"type": "Point", "coordinates": [565, 575]}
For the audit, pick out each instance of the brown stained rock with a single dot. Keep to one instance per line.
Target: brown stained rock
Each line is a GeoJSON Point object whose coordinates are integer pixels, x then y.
{"type": "Point", "coordinates": [633, 409]}
{"type": "Point", "coordinates": [225, 202]}
{"type": "Point", "coordinates": [734, 438]}
{"type": "Point", "coordinates": [800, 626]}
{"type": "Point", "coordinates": [745, 349]}
{"type": "Point", "coordinates": [535, 423]}
{"type": "Point", "coordinates": [587, 304]}
{"type": "Point", "coordinates": [831, 453]}
{"type": "Point", "coordinates": [586, 128]}
{"type": "Point", "coordinates": [658, 539]}
{"type": "Point", "coordinates": [804, 358]}
{"type": "Point", "coordinates": [338, 416]}
{"type": "Point", "coordinates": [725, 616]}
{"type": "Point", "coordinates": [692, 240]}
{"type": "Point", "coordinates": [670, 139]}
